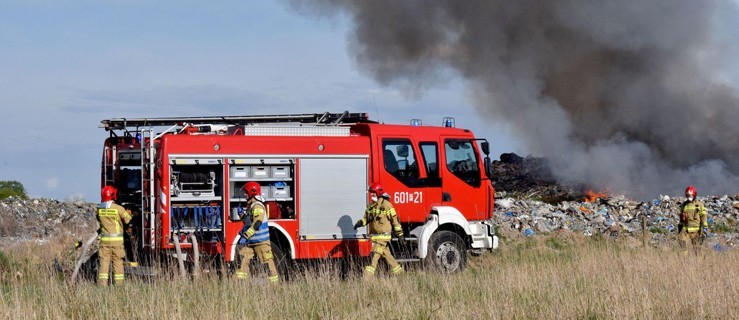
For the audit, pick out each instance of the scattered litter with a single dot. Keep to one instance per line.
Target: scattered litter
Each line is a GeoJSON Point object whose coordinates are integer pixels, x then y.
{"type": "Point", "coordinates": [618, 217]}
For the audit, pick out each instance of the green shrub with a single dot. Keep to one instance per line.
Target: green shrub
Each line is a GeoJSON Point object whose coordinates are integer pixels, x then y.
{"type": "Point", "coordinates": [500, 235]}
{"type": "Point", "coordinates": [657, 230]}
{"type": "Point", "coordinates": [12, 188]}
{"type": "Point", "coordinates": [555, 243]}
{"type": "Point", "coordinates": [721, 228]}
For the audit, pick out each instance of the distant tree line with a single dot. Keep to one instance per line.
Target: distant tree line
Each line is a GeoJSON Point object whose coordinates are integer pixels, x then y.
{"type": "Point", "coordinates": [11, 189]}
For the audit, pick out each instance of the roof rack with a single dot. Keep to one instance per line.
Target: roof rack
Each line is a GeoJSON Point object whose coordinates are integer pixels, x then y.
{"type": "Point", "coordinates": [316, 118]}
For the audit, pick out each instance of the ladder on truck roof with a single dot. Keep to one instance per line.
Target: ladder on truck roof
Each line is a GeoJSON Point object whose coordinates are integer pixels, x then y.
{"type": "Point", "coordinates": [314, 118]}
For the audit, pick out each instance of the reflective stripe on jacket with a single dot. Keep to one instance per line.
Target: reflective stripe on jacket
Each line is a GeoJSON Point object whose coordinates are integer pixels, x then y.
{"type": "Point", "coordinates": [380, 237]}
{"type": "Point", "coordinates": [256, 211]}
{"type": "Point", "coordinates": [111, 217]}
{"type": "Point", "coordinates": [382, 219]}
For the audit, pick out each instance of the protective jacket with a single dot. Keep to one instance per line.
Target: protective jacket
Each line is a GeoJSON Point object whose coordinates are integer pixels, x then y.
{"type": "Point", "coordinates": [382, 219]}
{"type": "Point", "coordinates": [693, 216]}
{"type": "Point", "coordinates": [110, 215]}
{"type": "Point", "coordinates": [255, 213]}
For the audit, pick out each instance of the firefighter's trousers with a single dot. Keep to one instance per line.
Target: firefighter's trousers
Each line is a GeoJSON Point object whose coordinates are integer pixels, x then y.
{"type": "Point", "coordinates": [106, 253]}
{"type": "Point", "coordinates": [686, 237]}
{"type": "Point", "coordinates": [380, 250]}
{"type": "Point", "coordinates": [263, 251]}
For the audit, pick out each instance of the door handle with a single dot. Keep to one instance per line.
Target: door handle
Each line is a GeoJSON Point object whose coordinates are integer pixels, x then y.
{"type": "Point", "coordinates": [445, 196]}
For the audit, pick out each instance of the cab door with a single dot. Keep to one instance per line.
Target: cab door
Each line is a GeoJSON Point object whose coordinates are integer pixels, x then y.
{"type": "Point", "coordinates": [462, 186]}
{"type": "Point", "coordinates": [403, 176]}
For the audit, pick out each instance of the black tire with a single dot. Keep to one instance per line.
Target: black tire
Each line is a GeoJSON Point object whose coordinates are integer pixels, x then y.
{"type": "Point", "coordinates": [89, 269]}
{"type": "Point", "coordinates": [283, 262]}
{"type": "Point", "coordinates": [447, 252]}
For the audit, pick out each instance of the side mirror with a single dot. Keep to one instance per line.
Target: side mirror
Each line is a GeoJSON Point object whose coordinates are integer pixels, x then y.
{"type": "Point", "coordinates": [402, 151]}
{"type": "Point", "coordinates": [488, 168]}
{"type": "Point", "coordinates": [485, 147]}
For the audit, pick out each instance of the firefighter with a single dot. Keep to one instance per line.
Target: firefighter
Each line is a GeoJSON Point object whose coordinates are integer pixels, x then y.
{"type": "Point", "coordinates": [255, 233]}
{"type": "Point", "coordinates": [693, 225]}
{"type": "Point", "coordinates": [382, 219]}
{"type": "Point", "coordinates": [111, 217]}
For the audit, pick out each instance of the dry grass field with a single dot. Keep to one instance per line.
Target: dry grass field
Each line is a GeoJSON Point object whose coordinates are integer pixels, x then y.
{"type": "Point", "coordinates": [552, 278]}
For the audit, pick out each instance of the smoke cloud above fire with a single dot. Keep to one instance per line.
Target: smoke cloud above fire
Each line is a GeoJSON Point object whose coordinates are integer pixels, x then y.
{"type": "Point", "coordinates": [635, 97]}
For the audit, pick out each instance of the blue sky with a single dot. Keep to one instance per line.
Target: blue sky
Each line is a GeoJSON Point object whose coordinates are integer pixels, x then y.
{"type": "Point", "coordinates": [65, 66]}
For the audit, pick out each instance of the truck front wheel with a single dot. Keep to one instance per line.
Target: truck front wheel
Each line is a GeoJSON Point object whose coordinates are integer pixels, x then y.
{"type": "Point", "coordinates": [447, 252]}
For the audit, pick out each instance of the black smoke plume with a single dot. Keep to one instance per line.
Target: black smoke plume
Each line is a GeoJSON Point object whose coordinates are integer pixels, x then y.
{"type": "Point", "coordinates": [632, 96]}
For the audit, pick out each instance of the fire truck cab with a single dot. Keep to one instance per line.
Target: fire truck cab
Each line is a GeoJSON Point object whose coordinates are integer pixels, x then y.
{"type": "Point", "coordinates": [183, 184]}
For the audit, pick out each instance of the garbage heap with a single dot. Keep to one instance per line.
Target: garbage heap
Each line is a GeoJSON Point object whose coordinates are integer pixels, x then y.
{"type": "Point", "coordinates": [39, 219]}
{"type": "Point", "coordinates": [530, 177]}
{"type": "Point", "coordinates": [615, 217]}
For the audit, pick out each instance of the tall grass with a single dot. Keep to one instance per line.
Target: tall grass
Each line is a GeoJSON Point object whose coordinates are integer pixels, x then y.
{"type": "Point", "coordinates": [534, 279]}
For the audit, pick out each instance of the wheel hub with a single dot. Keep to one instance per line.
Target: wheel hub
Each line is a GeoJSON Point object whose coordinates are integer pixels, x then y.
{"type": "Point", "coordinates": [448, 256]}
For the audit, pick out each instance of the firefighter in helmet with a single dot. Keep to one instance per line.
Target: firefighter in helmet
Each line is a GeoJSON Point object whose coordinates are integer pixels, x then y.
{"type": "Point", "coordinates": [255, 233]}
{"type": "Point", "coordinates": [693, 225]}
{"type": "Point", "coordinates": [382, 220]}
{"type": "Point", "coordinates": [111, 217]}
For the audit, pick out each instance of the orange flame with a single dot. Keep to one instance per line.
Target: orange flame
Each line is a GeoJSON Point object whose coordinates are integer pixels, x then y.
{"type": "Point", "coordinates": [591, 195]}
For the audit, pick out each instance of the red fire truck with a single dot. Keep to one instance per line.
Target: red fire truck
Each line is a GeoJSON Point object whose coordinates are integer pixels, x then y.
{"type": "Point", "coordinates": [182, 176]}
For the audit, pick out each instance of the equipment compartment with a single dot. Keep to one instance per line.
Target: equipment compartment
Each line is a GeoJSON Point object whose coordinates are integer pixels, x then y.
{"type": "Point", "coordinates": [195, 181]}
{"type": "Point", "coordinates": [275, 177]}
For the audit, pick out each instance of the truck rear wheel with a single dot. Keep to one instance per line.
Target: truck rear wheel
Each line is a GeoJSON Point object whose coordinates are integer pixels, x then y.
{"type": "Point", "coordinates": [282, 261]}
{"type": "Point", "coordinates": [447, 252]}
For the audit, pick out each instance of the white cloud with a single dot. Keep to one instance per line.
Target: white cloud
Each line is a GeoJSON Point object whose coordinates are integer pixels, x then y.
{"type": "Point", "coordinates": [52, 183]}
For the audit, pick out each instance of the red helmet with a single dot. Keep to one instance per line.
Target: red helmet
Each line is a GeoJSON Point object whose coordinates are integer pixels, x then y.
{"type": "Point", "coordinates": [690, 190]}
{"type": "Point", "coordinates": [108, 193]}
{"type": "Point", "coordinates": [252, 189]}
{"type": "Point", "coordinates": [376, 188]}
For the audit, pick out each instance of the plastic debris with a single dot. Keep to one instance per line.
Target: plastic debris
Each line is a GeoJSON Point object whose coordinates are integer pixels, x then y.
{"type": "Point", "coordinates": [620, 217]}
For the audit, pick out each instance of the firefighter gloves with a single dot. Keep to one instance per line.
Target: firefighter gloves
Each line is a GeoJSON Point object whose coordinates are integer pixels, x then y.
{"type": "Point", "coordinates": [358, 225]}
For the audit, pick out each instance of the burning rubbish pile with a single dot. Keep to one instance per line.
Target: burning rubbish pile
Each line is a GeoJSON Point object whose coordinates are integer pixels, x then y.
{"type": "Point", "coordinates": [529, 177]}
{"type": "Point", "coordinates": [529, 201]}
